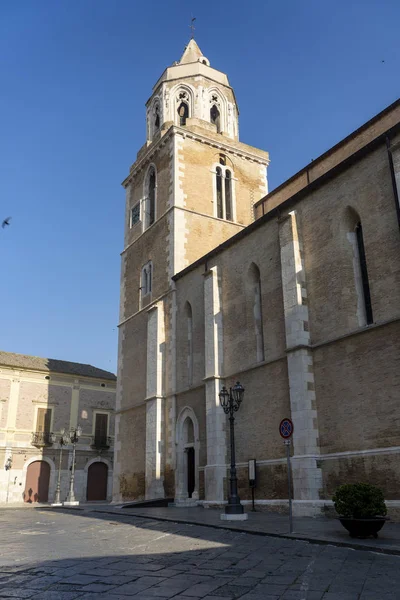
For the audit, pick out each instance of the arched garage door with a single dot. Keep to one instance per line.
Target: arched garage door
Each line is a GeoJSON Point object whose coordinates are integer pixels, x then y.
{"type": "Point", "coordinates": [37, 482]}
{"type": "Point", "coordinates": [97, 482]}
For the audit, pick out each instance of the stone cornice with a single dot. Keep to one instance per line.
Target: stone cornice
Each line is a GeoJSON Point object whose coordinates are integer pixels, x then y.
{"type": "Point", "coordinates": [46, 402]}
{"type": "Point", "coordinates": [147, 156]}
{"type": "Point", "coordinates": [186, 133]}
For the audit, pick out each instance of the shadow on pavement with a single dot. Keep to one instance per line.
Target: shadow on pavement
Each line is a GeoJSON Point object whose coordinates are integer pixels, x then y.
{"type": "Point", "coordinates": [64, 557]}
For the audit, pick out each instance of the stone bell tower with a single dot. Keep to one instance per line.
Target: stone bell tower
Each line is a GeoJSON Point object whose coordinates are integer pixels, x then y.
{"type": "Point", "coordinates": [192, 186]}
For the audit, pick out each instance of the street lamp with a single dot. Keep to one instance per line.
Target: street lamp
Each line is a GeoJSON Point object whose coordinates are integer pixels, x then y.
{"type": "Point", "coordinates": [72, 437]}
{"type": "Point", "coordinates": [63, 441]}
{"type": "Point", "coordinates": [230, 402]}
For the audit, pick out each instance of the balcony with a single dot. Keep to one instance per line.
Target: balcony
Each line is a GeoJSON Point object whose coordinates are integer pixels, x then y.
{"type": "Point", "coordinates": [101, 442]}
{"type": "Point", "coordinates": [41, 439]}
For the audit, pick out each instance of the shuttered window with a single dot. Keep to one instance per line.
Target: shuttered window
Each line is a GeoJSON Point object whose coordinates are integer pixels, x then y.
{"type": "Point", "coordinates": [43, 420]}
{"type": "Point", "coordinates": [100, 433]}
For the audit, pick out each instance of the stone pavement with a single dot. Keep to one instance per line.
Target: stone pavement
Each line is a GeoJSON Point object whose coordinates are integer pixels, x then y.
{"type": "Point", "coordinates": [66, 555]}
{"type": "Point", "coordinates": [319, 530]}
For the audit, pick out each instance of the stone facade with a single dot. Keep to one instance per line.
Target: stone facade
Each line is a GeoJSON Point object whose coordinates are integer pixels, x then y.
{"type": "Point", "coordinates": [73, 394]}
{"type": "Point", "coordinates": [277, 297]}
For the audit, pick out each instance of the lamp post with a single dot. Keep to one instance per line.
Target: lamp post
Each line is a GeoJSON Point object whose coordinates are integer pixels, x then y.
{"type": "Point", "coordinates": [72, 437]}
{"type": "Point", "coordinates": [230, 402]}
{"type": "Point", "coordinates": [63, 441]}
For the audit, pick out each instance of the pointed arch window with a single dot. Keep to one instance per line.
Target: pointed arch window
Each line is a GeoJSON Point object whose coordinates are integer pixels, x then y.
{"type": "Point", "coordinates": [355, 236]}
{"type": "Point", "coordinates": [228, 196]}
{"type": "Point", "coordinates": [256, 300]}
{"type": "Point", "coordinates": [183, 113]}
{"type": "Point", "coordinates": [157, 119]}
{"type": "Point", "coordinates": [150, 197]}
{"type": "Point", "coordinates": [215, 117]}
{"type": "Point", "coordinates": [146, 284]}
{"type": "Point", "coordinates": [224, 191]}
{"type": "Point", "coordinates": [220, 212]}
{"type": "Point", "coordinates": [364, 274]}
{"type": "Point", "coordinates": [189, 321]}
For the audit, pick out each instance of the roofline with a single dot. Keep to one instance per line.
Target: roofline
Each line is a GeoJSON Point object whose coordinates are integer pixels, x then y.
{"type": "Point", "coordinates": [331, 150]}
{"type": "Point", "coordinates": [277, 211]}
{"type": "Point", "coordinates": [106, 374]}
{"type": "Point", "coordinates": [61, 373]}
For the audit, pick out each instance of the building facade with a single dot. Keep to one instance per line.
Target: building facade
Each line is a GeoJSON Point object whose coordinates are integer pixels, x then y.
{"type": "Point", "coordinates": [295, 293]}
{"type": "Point", "coordinates": [38, 399]}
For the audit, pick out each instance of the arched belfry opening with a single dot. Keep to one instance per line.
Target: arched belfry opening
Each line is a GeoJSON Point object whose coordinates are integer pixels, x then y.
{"type": "Point", "coordinates": [215, 117]}
{"type": "Point", "coordinates": [157, 119]}
{"type": "Point", "coordinates": [183, 113]}
{"type": "Point", "coordinates": [187, 458]}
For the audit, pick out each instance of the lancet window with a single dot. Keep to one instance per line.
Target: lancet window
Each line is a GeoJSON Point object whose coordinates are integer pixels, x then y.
{"type": "Point", "coordinates": [224, 190]}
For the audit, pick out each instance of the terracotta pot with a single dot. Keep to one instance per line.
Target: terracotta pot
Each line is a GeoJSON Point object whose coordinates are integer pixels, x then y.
{"type": "Point", "coordinates": [363, 528]}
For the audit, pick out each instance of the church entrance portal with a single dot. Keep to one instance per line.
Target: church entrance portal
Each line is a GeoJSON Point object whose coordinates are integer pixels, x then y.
{"type": "Point", "coordinates": [187, 458]}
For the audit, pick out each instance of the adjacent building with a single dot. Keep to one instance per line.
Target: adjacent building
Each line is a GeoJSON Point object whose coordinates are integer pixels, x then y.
{"type": "Point", "coordinates": [39, 398]}
{"type": "Point", "coordinates": [295, 293]}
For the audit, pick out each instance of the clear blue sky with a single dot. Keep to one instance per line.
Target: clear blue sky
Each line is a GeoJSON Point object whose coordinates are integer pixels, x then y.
{"type": "Point", "coordinates": [75, 75]}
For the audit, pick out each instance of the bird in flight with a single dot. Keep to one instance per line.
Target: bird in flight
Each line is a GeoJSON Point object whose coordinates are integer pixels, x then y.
{"type": "Point", "coordinates": [6, 222]}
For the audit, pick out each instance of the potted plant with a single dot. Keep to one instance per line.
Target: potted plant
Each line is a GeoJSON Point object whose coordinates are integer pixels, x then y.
{"type": "Point", "coordinates": [362, 509]}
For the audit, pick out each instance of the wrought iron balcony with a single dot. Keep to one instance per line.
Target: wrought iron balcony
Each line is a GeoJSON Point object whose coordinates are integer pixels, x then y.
{"type": "Point", "coordinates": [101, 442]}
{"type": "Point", "coordinates": [42, 438]}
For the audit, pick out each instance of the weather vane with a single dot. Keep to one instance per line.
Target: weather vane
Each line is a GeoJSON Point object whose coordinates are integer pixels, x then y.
{"type": "Point", "coordinates": [192, 27]}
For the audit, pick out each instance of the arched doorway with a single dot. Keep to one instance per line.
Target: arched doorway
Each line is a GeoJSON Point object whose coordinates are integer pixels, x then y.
{"type": "Point", "coordinates": [187, 457]}
{"type": "Point", "coordinates": [97, 482]}
{"type": "Point", "coordinates": [37, 482]}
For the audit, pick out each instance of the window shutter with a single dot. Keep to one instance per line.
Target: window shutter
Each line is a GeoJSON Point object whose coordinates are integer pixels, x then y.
{"type": "Point", "coordinates": [101, 426]}
{"type": "Point", "coordinates": [43, 420]}
{"type": "Point", "coordinates": [47, 421]}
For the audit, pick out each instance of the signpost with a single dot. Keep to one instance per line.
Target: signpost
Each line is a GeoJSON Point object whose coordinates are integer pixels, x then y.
{"type": "Point", "coordinates": [286, 431]}
{"type": "Point", "coordinates": [252, 480]}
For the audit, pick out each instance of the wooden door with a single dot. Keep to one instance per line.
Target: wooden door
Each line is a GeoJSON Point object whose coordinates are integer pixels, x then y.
{"type": "Point", "coordinates": [37, 482]}
{"type": "Point", "coordinates": [97, 482]}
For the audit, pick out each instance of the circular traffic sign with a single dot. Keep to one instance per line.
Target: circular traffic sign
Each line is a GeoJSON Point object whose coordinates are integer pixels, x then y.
{"type": "Point", "coordinates": [286, 428]}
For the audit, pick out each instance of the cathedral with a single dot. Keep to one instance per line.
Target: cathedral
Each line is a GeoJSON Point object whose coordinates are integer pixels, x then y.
{"type": "Point", "coordinates": [294, 293]}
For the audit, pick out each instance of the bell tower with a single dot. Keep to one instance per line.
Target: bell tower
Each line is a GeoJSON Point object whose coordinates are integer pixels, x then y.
{"type": "Point", "coordinates": [193, 185]}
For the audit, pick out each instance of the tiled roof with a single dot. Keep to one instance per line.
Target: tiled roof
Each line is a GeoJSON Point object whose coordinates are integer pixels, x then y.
{"type": "Point", "coordinates": [51, 365]}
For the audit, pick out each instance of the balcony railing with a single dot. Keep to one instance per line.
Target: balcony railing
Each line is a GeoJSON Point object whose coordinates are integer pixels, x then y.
{"type": "Point", "coordinates": [101, 442]}
{"type": "Point", "coordinates": [41, 438]}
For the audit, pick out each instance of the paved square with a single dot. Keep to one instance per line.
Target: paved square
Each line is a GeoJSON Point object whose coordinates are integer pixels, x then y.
{"type": "Point", "coordinates": [66, 555]}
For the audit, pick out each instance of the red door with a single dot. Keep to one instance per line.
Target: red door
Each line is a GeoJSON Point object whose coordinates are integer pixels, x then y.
{"type": "Point", "coordinates": [37, 482]}
{"type": "Point", "coordinates": [97, 482]}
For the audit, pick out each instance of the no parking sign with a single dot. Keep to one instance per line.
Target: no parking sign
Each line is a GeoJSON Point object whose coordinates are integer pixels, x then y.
{"type": "Point", "coordinates": [286, 428]}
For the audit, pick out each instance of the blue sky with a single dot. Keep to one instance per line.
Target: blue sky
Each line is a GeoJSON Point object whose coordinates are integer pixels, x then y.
{"type": "Point", "coordinates": [75, 75]}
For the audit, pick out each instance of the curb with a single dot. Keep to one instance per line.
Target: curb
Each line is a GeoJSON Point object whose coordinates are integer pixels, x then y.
{"type": "Point", "coordinates": [288, 536]}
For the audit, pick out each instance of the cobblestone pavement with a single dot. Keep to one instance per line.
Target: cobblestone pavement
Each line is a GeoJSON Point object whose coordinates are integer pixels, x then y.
{"type": "Point", "coordinates": [63, 555]}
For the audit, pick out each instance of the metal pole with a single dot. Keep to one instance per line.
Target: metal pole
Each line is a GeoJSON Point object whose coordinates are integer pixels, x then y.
{"type": "Point", "coordinates": [71, 495]}
{"type": "Point", "coordinates": [234, 506]}
{"type": "Point", "coordinates": [252, 499]}
{"type": "Point", "coordinates": [287, 444]}
{"type": "Point", "coordinates": [8, 484]}
{"type": "Point", "coordinates": [57, 499]}
{"type": "Point", "coordinates": [233, 477]}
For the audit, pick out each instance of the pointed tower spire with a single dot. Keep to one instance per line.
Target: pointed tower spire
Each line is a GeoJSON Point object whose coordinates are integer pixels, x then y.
{"type": "Point", "coordinates": [192, 53]}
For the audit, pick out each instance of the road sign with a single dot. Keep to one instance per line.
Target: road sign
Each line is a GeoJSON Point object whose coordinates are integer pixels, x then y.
{"type": "Point", "coordinates": [286, 428]}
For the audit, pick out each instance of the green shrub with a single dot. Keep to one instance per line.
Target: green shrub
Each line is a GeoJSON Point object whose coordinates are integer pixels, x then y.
{"type": "Point", "coordinates": [359, 501]}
